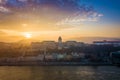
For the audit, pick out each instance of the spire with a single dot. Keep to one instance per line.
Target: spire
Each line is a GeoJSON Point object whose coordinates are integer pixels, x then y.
{"type": "Point", "coordinates": [60, 39]}
{"type": "Point", "coordinates": [60, 42]}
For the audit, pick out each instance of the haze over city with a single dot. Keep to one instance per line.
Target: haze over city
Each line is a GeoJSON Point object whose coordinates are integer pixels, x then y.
{"type": "Point", "coordinates": [80, 20]}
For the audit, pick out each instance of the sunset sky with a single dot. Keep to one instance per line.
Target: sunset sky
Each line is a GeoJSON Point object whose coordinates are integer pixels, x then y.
{"type": "Point", "coordinates": [48, 19]}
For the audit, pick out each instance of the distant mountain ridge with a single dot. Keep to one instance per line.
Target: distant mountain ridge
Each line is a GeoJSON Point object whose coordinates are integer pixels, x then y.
{"type": "Point", "coordinates": [91, 39]}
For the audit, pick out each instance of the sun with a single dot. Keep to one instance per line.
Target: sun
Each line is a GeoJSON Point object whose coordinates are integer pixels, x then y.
{"type": "Point", "coordinates": [28, 35]}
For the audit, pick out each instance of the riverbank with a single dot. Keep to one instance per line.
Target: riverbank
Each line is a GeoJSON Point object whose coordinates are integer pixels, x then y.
{"type": "Point", "coordinates": [55, 64]}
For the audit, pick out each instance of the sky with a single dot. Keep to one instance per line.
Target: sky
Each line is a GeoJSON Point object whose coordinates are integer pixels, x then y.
{"type": "Point", "coordinates": [49, 19]}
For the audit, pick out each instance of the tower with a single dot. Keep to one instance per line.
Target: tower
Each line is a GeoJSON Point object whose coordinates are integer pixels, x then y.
{"type": "Point", "coordinates": [60, 43]}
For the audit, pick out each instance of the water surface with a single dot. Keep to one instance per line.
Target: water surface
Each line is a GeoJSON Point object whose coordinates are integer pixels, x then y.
{"type": "Point", "coordinates": [59, 73]}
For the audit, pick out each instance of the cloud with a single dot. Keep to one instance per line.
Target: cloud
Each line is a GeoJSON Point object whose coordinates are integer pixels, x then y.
{"type": "Point", "coordinates": [58, 12]}
{"type": "Point", "coordinates": [2, 33]}
{"type": "Point", "coordinates": [4, 10]}
{"type": "Point", "coordinates": [9, 32]}
{"type": "Point", "coordinates": [23, 0]}
{"type": "Point", "coordinates": [62, 4]}
{"type": "Point", "coordinates": [80, 18]}
{"type": "Point", "coordinates": [2, 2]}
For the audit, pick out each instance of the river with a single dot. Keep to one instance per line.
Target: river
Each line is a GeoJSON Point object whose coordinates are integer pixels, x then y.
{"type": "Point", "coordinates": [59, 73]}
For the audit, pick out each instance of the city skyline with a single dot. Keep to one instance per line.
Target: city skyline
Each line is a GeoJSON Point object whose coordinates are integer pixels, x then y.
{"type": "Point", "coordinates": [48, 19]}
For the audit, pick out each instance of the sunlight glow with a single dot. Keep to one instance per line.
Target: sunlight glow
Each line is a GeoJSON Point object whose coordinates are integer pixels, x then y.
{"type": "Point", "coordinates": [28, 35]}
